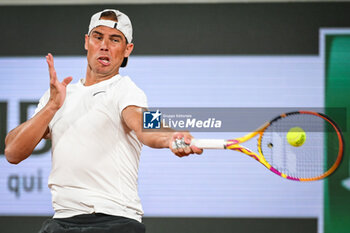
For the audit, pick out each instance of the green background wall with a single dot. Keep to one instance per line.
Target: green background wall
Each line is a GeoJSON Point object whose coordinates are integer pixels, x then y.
{"type": "Point", "coordinates": [337, 70]}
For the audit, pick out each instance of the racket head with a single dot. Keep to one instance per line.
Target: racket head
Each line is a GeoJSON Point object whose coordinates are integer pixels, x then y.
{"type": "Point", "coordinates": [317, 158]}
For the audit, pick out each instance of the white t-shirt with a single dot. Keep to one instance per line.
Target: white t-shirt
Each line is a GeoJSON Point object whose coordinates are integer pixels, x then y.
{"type": "Point", "coordinates": [95, 157]}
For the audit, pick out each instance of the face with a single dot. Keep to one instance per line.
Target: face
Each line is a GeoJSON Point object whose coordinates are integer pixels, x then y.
{"type": "Point", "coordinates": [106, 48]}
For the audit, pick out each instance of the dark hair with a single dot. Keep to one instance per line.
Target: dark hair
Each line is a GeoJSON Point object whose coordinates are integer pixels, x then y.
{"type": "Point", "coordinates": [110, 15]}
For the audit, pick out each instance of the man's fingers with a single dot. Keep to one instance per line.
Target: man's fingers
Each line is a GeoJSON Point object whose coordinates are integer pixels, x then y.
{"type": "Point", "coordinates": [197, 150]}
{"type": "Point", "coordinates": [67, 80]}
{"type": "Point", "coordinates": [50, 57]}
{"type": "Point", "coordinates": [178, 154]}
{"type": "Point", "coordinates": [52, 79]}
{"type": "Point", "coordinates": [181, 154]}
{"type": "Point", "coordinates": [177, 136]}
{"type": "Point", "coordinates": [49, 60]}
{"type": "Point", "coordinates": [50, 63]}
{"type": "Point", "coordinates": [188, 140]}
{"type": "Point", "coordinates": [188, 150]}
{"type": "Point", "coordinates": [176, 149]}
{"type": "Point", "coordinates": [181, 149]}
{"type": "Point", "coordinates": [181, 146]}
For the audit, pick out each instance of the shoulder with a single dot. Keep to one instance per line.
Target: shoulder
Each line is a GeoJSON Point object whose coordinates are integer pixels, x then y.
{"type": "Point", "coordinates": [126, 80]}
{"type": "Point", "coordinates": [128, 93]}
{"type": "Point", "coordinates": [126, 84]}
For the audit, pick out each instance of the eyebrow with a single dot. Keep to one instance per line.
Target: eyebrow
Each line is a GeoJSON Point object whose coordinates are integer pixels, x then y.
{"type": "Point", "coordinates": [113, 35]}
{"type": "Point", "coordinates": [96, 32]}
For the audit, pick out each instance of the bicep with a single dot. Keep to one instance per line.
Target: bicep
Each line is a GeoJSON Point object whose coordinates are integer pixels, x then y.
{"type": "Point", "coordinates": [132, 117]}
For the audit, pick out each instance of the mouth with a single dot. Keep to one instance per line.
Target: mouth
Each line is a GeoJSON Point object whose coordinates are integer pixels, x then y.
{"type": "Point", "coordinates": [104, 60]}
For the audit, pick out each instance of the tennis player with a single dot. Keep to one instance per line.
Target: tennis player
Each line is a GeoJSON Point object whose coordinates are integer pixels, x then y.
{"type": "Point", "coordinates": [96, 130]}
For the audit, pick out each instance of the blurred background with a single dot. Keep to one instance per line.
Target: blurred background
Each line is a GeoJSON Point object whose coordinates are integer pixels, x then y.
{"type": "Point", "coordinates": [226, 53]}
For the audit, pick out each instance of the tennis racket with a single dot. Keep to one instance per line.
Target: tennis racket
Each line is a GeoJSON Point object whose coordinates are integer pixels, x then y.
{"type": "Point", "coordinates": [317, 158]}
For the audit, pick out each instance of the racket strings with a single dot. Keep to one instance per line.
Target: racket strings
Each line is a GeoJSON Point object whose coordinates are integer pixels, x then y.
{"type": "Point", "coordinates": [307, 160]}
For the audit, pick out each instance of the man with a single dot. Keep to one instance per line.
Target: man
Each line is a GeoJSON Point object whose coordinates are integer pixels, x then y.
{"type": "Point", "coordinates": [96, 131]}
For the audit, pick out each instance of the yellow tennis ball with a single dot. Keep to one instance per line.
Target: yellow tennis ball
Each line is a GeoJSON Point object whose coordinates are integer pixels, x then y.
{"type": "Point", "coordinates": [296, 136]}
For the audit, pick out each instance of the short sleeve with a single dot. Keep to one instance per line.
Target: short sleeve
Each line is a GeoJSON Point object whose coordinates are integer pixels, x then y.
{"type": "Point", "coordinates": [131, 95]}
{"type": "Point", "coordinates": [42, 102]}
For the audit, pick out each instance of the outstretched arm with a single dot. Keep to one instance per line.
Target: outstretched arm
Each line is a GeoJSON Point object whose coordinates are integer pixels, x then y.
{"type": "Point", "coordinates": [132, 116]}
{"type": "Point", "coordinates": [21, 141]}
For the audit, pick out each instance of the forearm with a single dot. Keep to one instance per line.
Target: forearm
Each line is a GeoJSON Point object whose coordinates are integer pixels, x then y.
{"type": "Point", "coordinates": [156, 139]}
{"type": "Point", "coordinates": [21, 141]}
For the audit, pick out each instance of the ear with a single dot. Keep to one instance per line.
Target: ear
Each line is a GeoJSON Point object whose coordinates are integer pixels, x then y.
{"type": "Point", "coordinates": [86, 42]}
{"type": "Point", "coordinates": [128, 50]}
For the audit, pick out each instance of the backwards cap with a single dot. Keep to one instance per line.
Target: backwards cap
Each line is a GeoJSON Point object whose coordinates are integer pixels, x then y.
{"type": "Point", "coordinates": [123, 24]}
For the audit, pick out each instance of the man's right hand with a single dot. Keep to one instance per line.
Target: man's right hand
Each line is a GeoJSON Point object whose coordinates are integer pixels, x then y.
{"type": "Point", "coordinates": [21, 141]}
{"type": "Point", "coordinates": [57, 88]}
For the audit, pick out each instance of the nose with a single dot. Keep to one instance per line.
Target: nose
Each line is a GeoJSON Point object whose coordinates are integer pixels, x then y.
{"type": "Point", "coordinates": [104, 45]}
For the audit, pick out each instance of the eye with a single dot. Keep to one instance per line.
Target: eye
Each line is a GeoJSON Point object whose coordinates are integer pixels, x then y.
{"type": "Point", "coordinates": [97, 37]}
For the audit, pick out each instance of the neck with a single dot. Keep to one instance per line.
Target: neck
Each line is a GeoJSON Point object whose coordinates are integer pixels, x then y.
{"type": "Point", "coordinates": [92, 78]}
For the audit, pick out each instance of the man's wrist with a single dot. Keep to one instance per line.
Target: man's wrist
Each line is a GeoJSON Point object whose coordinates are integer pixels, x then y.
{"type": "Point", "coordinates": [52, 107]}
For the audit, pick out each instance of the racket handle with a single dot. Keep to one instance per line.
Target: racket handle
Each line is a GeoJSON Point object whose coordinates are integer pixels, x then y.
{"type": "Point", "coordinates": [209, 143]}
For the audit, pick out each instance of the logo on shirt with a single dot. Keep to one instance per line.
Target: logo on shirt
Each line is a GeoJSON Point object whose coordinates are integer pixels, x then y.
{"type": "Point", "coordinates": [151, 119]}
{"type": "Point", "coordinates": [99, 92]}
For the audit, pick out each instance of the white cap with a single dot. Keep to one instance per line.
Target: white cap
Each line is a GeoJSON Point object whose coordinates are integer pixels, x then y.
{"type": "Point", "coordinates": [123, 24]}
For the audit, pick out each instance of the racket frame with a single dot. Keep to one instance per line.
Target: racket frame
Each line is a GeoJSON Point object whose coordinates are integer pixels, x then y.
{"type": "Point", "coordinates": [234, 144]}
